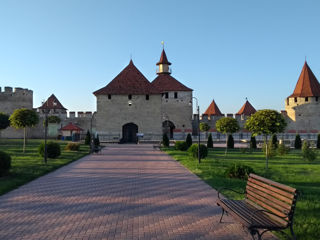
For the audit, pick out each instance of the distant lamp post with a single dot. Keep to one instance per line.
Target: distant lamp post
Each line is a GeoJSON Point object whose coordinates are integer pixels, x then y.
{"type": "Point", "coordinates": [198, 110]}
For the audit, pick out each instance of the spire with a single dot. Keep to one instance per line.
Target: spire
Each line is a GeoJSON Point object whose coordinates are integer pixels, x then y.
{"type": "Point", "coordinates": [247, 109]}
{"type": "Point", "coordinates": [213, 110]}
{"type": "Point", "coordinates": [163, 64]}
{"type": "Point", "coordinates": [307, 85]}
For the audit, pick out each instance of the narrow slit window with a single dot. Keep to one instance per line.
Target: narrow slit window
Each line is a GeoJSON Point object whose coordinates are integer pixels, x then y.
{"type": "Point", "coordinates": [129, 96]}
{"type": "Point", "coordinates": [166, 95]}
{"type": "Point", "coordinates": [175, 95]}
{"type": "Point", "coordinates": [316, 99]}
{"type": "Point", "coordinates": [306, 99]}
{"type": "Point", "coordinates": [147, 97]}
{"type": "Point", "coordinates": [295, 99]}
{"type": "Point", "coordinates": [109, 96]}
{"type": "Point", "coordinates": [287, 101]}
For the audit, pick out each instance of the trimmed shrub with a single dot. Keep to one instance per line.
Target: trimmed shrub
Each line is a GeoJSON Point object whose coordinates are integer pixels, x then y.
{"type": "Point", "coordinates": [210, 142]}
{"type": "Point", "coordinates": [53, 149]}
{"type": "Point", "coordinates": [87, 140]}
{"type": "Point", "coordinates": [96, 141]}
{"type": "Point", "coordinates": [297, 142]}
{"type": "Point", "coordinates": [189, 140]}
{"type": "Point", "coordinates": [5, 163]}
{"type": "Point", "coordinates": [72, 146]}
{"type": "Point", "coordinates": [230, 142]}
{"type": "Point", "coordinates": [238, 171]}
{"type": "Point", "coordinates": [181, 145]}
{"type": "Point", "coordinates": [318, 141]}
{"type": "Point", "coordinates": [253, 142]}
{"type": "Point", "coordinates": [165, 140]}
{"type": "Point", "coordinates": [308, 154]}
{"type": "Point", "coordinates": [282, 149]}
{"type": "Point", "coordinates": [274, 140]}
{"type": "Point", "coordinates": [193, 151]}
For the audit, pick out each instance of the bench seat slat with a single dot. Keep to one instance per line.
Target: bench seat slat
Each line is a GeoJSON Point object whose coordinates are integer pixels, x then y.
{"type": "Point", "coordinates": [270, 199]}
{"type": "Point", "coordinates": [287, 198]}
{"type": "Point", "coordinates": [244, 211]}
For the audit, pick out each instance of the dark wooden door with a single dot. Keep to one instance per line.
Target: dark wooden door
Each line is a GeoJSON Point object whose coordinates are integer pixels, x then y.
{"type": "Point", "coordinates": [129, 133]}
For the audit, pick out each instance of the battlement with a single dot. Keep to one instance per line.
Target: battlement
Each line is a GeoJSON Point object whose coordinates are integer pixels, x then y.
{"type": "Point", "coordinates": [81, 115]}
{"type": "Point", "coordinates": [16, 91]}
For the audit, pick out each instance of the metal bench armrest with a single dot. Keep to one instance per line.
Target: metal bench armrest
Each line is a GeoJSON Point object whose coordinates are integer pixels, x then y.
{"type": "Point", "coordinates": [229, 189]}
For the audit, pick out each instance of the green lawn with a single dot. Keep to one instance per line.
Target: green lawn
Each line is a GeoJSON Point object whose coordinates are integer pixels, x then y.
{"type": "Point", "coordinates": [289, 169]}
{"type": "Point", "coordinates": [29, 165]}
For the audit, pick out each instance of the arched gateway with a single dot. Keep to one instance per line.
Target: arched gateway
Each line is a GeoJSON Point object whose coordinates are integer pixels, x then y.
{"type": "Point", "coordinates": [129, 133]}
{"type": "Point", "coordinates": [167, 128]}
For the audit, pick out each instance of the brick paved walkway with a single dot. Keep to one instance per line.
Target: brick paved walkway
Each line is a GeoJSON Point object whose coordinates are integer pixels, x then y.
{"type": "Point", "coordinates": [127, 192]}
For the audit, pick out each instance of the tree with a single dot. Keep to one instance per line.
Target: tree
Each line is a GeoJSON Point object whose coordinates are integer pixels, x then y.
{"type": "Point", "coordinates": [204, 127]}
{"type": "Point", "coordinates": [210, 142]}
{"type": "Point", "coordinates": [297, 142]}
{"type": "Point", "coordinates": [23, 118]}
{"type": "Point", "coordinates": [4, 121]}
{"type": "Point", "coordinates": [227, 126]}
{"type": "Point", "coordinates": [265, 122]}
{"type": "Point", "coordinates": [189, 140]}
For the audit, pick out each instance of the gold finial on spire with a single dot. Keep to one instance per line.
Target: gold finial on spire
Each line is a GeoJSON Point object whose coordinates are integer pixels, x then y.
{"type": "Point", "coordinates": [162, 42]}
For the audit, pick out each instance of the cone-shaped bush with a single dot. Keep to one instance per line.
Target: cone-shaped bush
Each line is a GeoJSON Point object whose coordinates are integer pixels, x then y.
{"type": "Point", "coordinates": [165, 140]}
{"type": "Point", "coordinates": [87, 140]}
{"type": "Point", "coordinates": [318, 141]}
{"type": "Point", "coordinates": [210, 142]}
{"type": "Point", "coordinates": [274, 141]}
{"type": "Point", "coordinates": [297, 142]}
{"type": "Point", "coordinates": [253, 142]}
{"type": "Point", "coordinates": [189, 140]}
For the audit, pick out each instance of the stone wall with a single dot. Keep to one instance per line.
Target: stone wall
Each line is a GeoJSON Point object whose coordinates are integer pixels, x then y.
{"type": "Point", "coordinates": [113, 113]}
{"type": "Point", "coordinates": [13, 99]}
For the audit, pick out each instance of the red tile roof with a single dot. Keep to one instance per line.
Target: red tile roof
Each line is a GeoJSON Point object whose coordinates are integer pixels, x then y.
{"type": "Point", "coordinates": [307, 85]}
{"type": "Point", "coordinates": [71, 127]}
{"type": "Point", "coordinates": [52, 103]}
{"type": "Point", "coordinates": [163, 59]}
{"type": "Point", "coordinates": [129, 81]}
{"type": "Point", "coordinates": [247, 109]}
{"type": "Point", "coordinates": [213, 110]}
{"type": "Point", "coordinates": [165, 82]}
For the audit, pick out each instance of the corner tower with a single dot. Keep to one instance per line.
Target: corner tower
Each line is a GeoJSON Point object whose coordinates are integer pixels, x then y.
{"type": "Point", "coordinates": [302, 106]}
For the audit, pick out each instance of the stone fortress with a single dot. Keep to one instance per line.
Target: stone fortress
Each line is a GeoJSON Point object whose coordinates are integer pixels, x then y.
{"type": "Point", "coordinates": [131, 107]}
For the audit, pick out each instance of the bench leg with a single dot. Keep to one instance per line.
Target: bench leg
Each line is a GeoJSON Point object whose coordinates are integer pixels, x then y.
{"type": "Point", "coordinates": [253, 232]}
{"type": "Point", "coordinates": [221, 215]}
{"type": "Point", "coordinates": [292, 233]}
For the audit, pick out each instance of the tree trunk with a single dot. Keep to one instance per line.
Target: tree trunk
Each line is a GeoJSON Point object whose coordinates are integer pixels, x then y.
{"type": "Point", "coordinates": [24, 140]}
{"type": "Point", "coordinates": [225, 153]}
{"type": "Point", "coordinates": [266, 142]}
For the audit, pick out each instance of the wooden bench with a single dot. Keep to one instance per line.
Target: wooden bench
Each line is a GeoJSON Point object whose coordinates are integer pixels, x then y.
{"type": "Point", "coordinates": [268, 206]}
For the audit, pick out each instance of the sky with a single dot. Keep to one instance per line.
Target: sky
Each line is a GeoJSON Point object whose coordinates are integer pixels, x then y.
{"type": "Point", "coordinates": [224, 50]}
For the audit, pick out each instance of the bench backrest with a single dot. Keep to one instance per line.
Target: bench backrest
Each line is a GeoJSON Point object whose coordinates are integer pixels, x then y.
{"type": "Point", "coordinates": [272, 196]}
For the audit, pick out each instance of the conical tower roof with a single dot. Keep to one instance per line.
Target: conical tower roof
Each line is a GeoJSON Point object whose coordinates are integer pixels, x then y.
{"type": "Point", "coordinates": [163, 59]}
{"type": "Point", "coordinates": [213, 110]}
{"type": "Point", "coordinates": [307, 85]}
{"type": "Point", "coordinates": [247, 109]}
{"type": "Point", "coordinates": [52, 103]}
{"type": "Point", "coordinates": [129, 81]}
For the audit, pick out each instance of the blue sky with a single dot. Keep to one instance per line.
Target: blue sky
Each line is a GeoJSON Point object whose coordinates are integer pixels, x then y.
{"type": "Point", "coordinates": [224, 50]}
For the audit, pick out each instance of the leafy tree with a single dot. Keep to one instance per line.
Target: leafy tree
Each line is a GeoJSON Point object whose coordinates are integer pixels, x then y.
{"type": "Point", "coordinates": [4, 121]}
{"type": "Point", "coordinates": [227, 126]}
{"type": "Point", "coordinates": [204, 127]}
{"type": "Point", "coordinates": [210, 142]}
{"type": "Point", "coordinates": [253, 142]}
{"type": "Point", "coordinates": [54, 119]}
{"type": "Point", "coordinates": [230, 142]}
{"type": "Point", "coordinates": [318, 141]}
{"type": "Point", "coordinates": [265, 122]}
{"type": "Point", "coordinates": [189, 140]}
{"type": "Point", "coordinates": [274, 141]}
{"type": "Point", "coordinates": [87, 140]}
{"type": "Point", "coordinates": [23, 118]}
{"type": "Point", "coordinates": [297, 142]}
{"type": "Point", "coordinates": [165, 140]}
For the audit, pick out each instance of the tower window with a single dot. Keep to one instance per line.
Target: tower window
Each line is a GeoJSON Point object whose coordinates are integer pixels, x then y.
{"type": "Point", "coordinates": [166, 95]}
{"type": "Point", "coordinates": [109, 96]}
{"type": "Point", "coordinates": [295, 99]}
{"type": "Point", "coordinates": [175, 95]}
{"type": "Point", "coordinates": [316, 99]}
{"type": "Point", "coordinates": [129, 96]}
{"type": "Point", "coordinates": [288, 101]}
{"type": "Point", "coordinates": [306, 99]}
{"type": "Point", "coordinates": [147, 97]}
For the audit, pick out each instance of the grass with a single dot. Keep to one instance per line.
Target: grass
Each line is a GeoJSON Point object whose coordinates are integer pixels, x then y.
{"type": "Point", "coordinates": [29, 165]}
{"type": "Point", "coordinates": [289, 169]}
